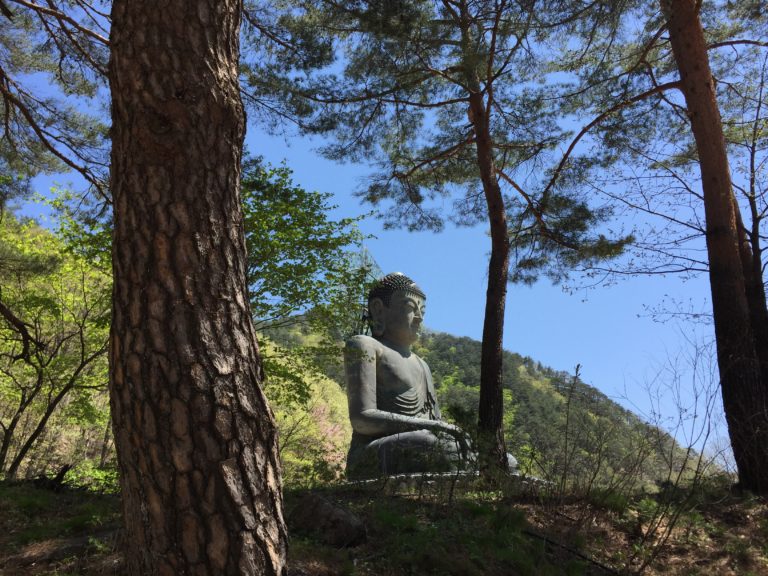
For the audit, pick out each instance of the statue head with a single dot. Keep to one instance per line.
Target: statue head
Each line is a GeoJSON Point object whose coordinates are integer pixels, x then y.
{"type": "Point", "coordinates": [396, 307]}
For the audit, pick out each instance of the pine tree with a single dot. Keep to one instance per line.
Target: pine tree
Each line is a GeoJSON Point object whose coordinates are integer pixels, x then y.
{"type": "Point", "coordinates": [442, 96]}
{"type": "Point", "coordinates": [744, 386]}
{"type": "Point", "coordinates": [656, 116]}
{"type": "Point", "coordinates": [195, 438]}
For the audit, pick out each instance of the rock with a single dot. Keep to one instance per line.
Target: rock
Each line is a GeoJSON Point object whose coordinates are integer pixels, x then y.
{"type": "Point", "coordinates": [56, 483]}
{"type": "Point", "coordinates": [327, 522]}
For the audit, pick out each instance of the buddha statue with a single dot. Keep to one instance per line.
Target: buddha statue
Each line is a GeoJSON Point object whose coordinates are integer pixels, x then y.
{"type": "Point", "coordinates": [396, 424]}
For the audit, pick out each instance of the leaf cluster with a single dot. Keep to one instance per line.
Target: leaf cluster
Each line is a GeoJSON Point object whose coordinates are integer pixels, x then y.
{"type": "Point", "coordinates": [299, 258]}
{"type": "Point", "coordinates": [53, 339]}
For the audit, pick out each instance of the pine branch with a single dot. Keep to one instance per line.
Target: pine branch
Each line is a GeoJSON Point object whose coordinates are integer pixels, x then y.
{"type": "Point", "coordinates": [6, 11]}
{"type": "Point", "coordinates": [597, 120]}
{"type": "Point", "coordinates": [45, 138]}
{"type": "Point", "coordinates": [62, 17]}
{"type": "Point", "coordinates": [743, 42]}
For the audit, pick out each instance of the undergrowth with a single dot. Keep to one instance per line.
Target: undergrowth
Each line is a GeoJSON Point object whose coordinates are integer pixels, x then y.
{"type": "Point", "coordinates": [430, 528]}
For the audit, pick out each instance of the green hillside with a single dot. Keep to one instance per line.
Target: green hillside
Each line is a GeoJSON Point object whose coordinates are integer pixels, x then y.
{"type": "Point", "coordinates": [559, 428]}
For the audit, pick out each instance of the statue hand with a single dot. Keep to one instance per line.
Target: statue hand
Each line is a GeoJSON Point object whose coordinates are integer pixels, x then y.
{"type": "Point", "coordinates": [465, 444]}
{"type": "Point", "coordinates": [461, 437]}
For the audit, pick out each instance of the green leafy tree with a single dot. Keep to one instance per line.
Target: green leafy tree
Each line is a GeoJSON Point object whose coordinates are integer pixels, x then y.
{"type": "Point", "coordinates": [63, 308]}
{"type": "Point", "coordinates": [301, 263]}
{"type": "Point", "coordinates": [304, 273]}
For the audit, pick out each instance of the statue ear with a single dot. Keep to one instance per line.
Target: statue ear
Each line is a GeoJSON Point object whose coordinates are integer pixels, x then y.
{"type": "Point", "coordinates": [376, 307]}
{"type": "Point", "coordinates": [376, 311]}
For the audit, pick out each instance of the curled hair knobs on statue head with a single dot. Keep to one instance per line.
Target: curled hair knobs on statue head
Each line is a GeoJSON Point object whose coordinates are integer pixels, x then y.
{"type": "Point", "coordinates": [390, 284]}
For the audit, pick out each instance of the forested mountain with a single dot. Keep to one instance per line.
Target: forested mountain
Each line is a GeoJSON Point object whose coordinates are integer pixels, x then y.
{"type": "Point", "coordinates": [558, 427]}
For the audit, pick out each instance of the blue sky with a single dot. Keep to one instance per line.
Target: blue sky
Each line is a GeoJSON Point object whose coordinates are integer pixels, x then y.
{"type": "Point", "coordinates": [609, 331]}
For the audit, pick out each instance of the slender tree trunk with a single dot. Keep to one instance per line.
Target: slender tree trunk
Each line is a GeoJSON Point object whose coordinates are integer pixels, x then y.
{"type": "Point", "coordinates": [13, 468]}
{"type": "Point", "coordinates": [195, 438]}
{"type": "Point", "coordinates": [10, 430]}
{"type": "Point", "coordinates": [493, 451]}
{"type": "Point", "coordinates": [105, 444]}
{"type": "Point", "coordinates": [745, 396]}
{"type": "Point", "coordinates": [8, 435]}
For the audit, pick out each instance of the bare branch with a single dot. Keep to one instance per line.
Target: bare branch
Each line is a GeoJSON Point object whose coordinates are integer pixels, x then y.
{"type": "Point", "coordinates": [22, 328]}
{"type": "Point", "coordinates": [620, 106]}
{"type": "Point", "coordinates": [715, 45]}
{"type": "Point", "coordinates": [43, 135]}
{"type": "Point", "coordinates": [442, 155]}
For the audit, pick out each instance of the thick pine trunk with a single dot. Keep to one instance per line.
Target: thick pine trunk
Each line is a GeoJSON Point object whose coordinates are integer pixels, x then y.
{"type": "Point", "coordinates": [493, 451]}
{"type": "Point", "coordinates": [744, 394]}
{"type": "Point", "coordinates": [195, 439]}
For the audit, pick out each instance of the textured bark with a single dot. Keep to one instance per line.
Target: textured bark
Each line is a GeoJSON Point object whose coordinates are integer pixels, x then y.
{"type": "Point", "coordinates": [750, 251]}
{"type": "Point", "coordinates": [195, 439]}
{"type": "Point", "coordinates": [744, 392]}
{"type": "Point", "coordinates": [490, 424]}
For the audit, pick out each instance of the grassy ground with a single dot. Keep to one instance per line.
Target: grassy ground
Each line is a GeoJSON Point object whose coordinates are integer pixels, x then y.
{"type": "Point", "coordinates": [431, 529]}
{"type": "Point", "coordinates": [66, 532]}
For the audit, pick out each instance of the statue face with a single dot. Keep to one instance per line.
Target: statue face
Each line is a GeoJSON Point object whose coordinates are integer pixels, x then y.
{"type": "Point", "coordinates": [403, 318]}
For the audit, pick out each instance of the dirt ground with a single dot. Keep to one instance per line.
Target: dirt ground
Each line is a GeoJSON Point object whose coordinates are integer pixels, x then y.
{"type": "Point", "coordinates": [75, 532]}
